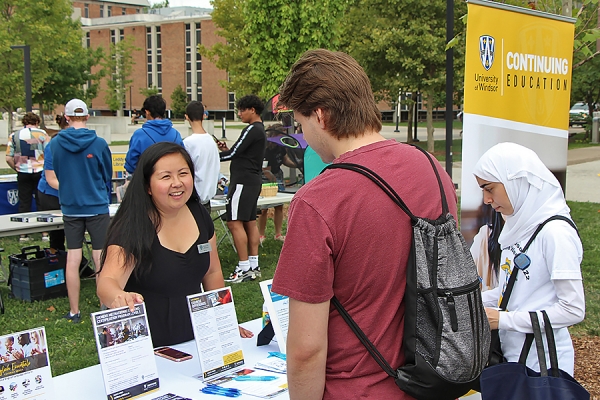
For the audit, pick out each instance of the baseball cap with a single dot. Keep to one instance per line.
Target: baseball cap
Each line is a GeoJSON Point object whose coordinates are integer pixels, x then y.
{"type": "Point", "coordinates": [76, 108]}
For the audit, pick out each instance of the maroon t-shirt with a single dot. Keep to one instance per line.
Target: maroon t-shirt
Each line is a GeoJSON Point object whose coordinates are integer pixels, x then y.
{"type": "Point", "coordinates": [347, 238]}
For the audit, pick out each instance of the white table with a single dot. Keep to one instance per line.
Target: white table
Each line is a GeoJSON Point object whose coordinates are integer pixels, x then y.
{"type": "Point", "coordinates": [174, 377]}
{"type": "Point", "coordinates": [10, 228]}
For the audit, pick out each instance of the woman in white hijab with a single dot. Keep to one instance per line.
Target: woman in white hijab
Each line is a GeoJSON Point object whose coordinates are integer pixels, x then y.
{"type": "Point", "coordinates": [516, 183]}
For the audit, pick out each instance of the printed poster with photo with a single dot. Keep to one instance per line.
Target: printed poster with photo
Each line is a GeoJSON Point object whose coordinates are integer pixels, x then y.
{"type": "Point", "coordinates": [125, 351]}
{"type": "Point", "coordinates": [278, 307]}
{"type": "Point", "coordinates": [25, 367]}
{"type": "Point", "coordinates": [216, 332]}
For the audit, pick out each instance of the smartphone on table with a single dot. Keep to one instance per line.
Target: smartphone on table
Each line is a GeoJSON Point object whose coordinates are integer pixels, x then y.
{"type": "Point", "coordinates": [172, 354]}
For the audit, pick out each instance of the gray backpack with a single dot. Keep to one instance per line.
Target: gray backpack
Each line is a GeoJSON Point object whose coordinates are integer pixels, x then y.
{"type": "Point", "coordinates": [446, 332]}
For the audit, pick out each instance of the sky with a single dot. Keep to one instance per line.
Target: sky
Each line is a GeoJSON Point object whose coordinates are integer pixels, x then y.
{"type": "Point", "coordinates": [191, 3]}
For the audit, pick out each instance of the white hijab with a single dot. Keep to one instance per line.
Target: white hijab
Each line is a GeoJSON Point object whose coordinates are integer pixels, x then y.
{"type": "Point", "coordinates": [533, 191]}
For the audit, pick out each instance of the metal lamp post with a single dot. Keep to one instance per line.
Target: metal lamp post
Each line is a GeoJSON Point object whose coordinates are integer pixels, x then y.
{"type": "Point", "coordinates": [27, 61]}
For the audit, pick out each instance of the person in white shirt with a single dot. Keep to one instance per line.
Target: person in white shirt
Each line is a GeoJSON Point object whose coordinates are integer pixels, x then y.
{"type": "Point", "coordinates": [517, 184]}
{"type": "Point", "coordinates": [204, 152]}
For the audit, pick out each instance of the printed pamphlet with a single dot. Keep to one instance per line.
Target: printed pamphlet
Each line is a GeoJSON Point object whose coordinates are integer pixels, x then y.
{"type": "Point", "coordinates": [125, 351]}
{"type": "Point", "coordinates": [216, 332]}
{"type": "Point", "coordinates": [25, 367]}
{"type": "Point", "coordinates": [278, 307]}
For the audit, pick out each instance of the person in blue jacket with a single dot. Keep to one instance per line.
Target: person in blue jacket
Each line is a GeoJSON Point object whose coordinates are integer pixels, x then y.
{"type": "Point", "coordinates": [156, 129]}
{"type": "Point", "coordinates": [82, 163]}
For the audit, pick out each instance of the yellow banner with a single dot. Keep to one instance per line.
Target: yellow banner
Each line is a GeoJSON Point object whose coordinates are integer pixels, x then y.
{"type": "Point", "coordinates": [518, 66]}
{"type": "Point", "coordinates": [118, 164]}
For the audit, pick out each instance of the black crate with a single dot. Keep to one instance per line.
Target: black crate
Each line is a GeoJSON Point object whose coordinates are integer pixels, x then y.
{"type": "Point", "coordinates": [37, 274]}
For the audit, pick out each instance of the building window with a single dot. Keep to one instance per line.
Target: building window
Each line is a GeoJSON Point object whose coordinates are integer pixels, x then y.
{"type": "Point", "coordinates": [113, 36]}
{"type": "Point", "coordinates": [231, 102]}
{"type": "Point", "coordinates": [123, 11]}
{"type": "Point", "coordinates": [158, 60]}
{"type": "Point", "coordinates": [101, 10]}
{"type": "Point", "coordinates": [137, 10]}
{"type": "Point", "coordinates": [188, 62]}
{"type": "Point", "coordinates": [198, 62]}
{"type": "Point", "coordinates": [109, 13]}
{"type": "Point", "coordinates": [121, 34]}
{"type": "Point", "coordinates": [149, 54]}
{"type": "Point", "coordinates": [88, 40]}
{"type": "Point", "coordinates": [86, 10]}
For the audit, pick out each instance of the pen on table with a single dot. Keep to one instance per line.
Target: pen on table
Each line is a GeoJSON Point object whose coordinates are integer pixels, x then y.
{"type": "Point", "coordinates": [277, 354]}
{"type": "Point", "coordinates": [259, 378]}
{"type": "Point", "coordinates": [221, 391]}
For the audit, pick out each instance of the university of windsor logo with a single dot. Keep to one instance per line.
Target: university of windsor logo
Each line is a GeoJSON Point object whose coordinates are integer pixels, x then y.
{"type": "Point", "coordinates": [12, 196]}
{"type": "Point", "coordinates": [487, 45]}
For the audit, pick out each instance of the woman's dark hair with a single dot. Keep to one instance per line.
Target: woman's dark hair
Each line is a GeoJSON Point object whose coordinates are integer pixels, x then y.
{"type": "Point", "coordinates": [137, 220]}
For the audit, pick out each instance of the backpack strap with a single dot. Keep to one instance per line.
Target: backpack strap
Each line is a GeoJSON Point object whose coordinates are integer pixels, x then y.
{"type": "Point", "coordinates": [379, 181]}
{"type": "Point", "coordinates": [445, 209]}
{"type": "Point", "coordinates": [514, 272]}
{"type": "Point", "coordinates": [363, 339]}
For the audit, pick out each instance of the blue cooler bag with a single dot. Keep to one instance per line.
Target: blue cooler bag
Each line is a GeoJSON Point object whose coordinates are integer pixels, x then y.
{"type": "Point", "coordinates": [515, 381]}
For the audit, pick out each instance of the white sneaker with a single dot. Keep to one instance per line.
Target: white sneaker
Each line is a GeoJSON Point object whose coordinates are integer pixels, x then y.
{"type": "Point", "coordinates": [256, 272]}
{"type": "Point", "coordinates": [238, 276]}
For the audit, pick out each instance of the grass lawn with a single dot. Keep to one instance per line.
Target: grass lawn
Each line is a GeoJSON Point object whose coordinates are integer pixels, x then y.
{"type": "Point", "coordinates": [72, 346]}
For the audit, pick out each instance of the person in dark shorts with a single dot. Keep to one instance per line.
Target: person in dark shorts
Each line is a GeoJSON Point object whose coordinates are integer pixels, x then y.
{"type": "Point", "coordinates": [246, 156]}
{"type": "Point", "coordinates": [82, 163]}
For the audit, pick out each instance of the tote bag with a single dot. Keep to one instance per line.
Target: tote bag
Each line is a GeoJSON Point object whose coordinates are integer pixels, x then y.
{"type": "Point", "coordinates": [515, 381]}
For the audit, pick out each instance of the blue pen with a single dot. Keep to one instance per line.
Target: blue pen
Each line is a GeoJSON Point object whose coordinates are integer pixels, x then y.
{"type": "Point", "coordinates": [259, 378]}
{"type": "Point", "coordinates": [221, 391]}
{"type": "Point", "coordinates": [277, 354]}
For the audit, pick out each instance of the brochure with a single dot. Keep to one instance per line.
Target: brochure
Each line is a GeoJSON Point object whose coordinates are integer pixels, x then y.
{"type": "Point", "coordinates": [25, 367]}
{"type": "Point", "coordinates": [125, 351]}
{"type": "Point", "coordinates": [216, 332]}
{"type": "Point", "coordinates": [278, 307]}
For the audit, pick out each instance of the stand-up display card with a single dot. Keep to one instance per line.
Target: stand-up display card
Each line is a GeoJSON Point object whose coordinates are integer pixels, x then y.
{"type": "Point", "coordinates": [278, 307]}
{"type": "Point", "coordinates": [216, 332]}
{"type": "Point", "coordinates": [25, 366]}
{"type": "Point", "coordinates": [125, 351]}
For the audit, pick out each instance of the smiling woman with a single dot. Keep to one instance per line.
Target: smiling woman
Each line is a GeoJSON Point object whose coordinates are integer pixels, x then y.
{"type": "Point", "coordinates": [161, 245]}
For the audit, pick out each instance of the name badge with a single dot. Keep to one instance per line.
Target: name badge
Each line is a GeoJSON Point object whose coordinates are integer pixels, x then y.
{"type": "Point", "coordinates": [204, 248]}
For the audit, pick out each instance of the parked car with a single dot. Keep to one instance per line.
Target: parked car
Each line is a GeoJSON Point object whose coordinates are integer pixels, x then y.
{"type": "Point", "coordinates": [578, 114]}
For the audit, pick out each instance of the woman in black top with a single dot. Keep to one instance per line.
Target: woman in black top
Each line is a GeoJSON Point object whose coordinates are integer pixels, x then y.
{"type": "Point", "coordinates": [161, 246]}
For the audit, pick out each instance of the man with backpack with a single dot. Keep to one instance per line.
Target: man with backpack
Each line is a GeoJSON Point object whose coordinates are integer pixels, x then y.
{"type": "Point", "coordinates": [346, 238]}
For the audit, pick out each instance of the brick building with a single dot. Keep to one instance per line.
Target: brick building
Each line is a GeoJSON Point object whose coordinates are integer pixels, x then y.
{"type": "Point", "coordinates": [166, 41]}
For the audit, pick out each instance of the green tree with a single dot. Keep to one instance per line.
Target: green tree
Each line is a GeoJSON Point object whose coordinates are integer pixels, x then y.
{"type": "Point", "coordinates": [232, 56]}
{"type": "Point", "coordinates": [279, 31]}
{"type": "Point", "coordinates": [401, 44]}
{"type": "Point", "coordinates": [161, 4]}
{"type": "Point", "coordinates": [264, 39]}
{"type": "Point", "coordinates": [59, 64]}
{"type": "Point", "coordinates": [178, 102]}
{"type": "Point", "coordinates": [118, 67]}
{"type": "Point", "coordinates": [147, 92]}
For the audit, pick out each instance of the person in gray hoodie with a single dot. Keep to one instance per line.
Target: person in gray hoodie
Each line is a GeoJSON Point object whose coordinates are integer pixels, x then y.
{"type": "Point", "coordinates": [156, 129]}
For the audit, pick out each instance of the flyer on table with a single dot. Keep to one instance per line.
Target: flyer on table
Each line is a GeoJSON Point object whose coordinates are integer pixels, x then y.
{"type": "Point", "coordinates": [125, 351]}
{"type": "Point", "coordinates": [216, 332]}
{"type": "Point", "coordinates": [279, 311]}
{"type": "Point", "coordinates": [25, 367]}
